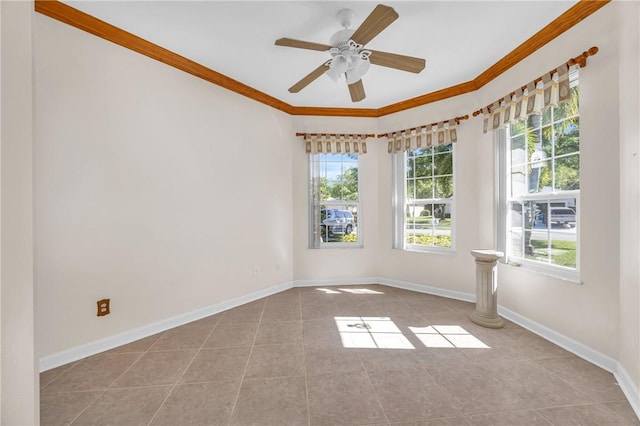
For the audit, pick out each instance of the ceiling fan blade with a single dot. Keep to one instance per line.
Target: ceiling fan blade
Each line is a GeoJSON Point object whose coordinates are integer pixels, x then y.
{"type": "Point", "coordinates": [290, 42]}
{"type": "Point", "coordinates": [309, 78]}
{"type": "Point", "coordinates": [399, 62]}
{"type": "Point", "coordinates": [377, 21]}
{"type": "Point", "coordinates": [357, 91]}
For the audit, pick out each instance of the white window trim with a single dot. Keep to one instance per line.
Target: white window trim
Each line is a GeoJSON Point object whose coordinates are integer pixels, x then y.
{"type": "Point", "coordinates": [399, 207]}
{"type": "Point", "coordinates": [316, 243]}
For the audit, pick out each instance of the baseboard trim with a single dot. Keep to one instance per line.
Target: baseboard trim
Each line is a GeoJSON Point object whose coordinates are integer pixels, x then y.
{"type": "Point", "coordinates": [629, 388]}
{"type": "Point", "coordinates": [436, 291]}
{"type": "Point", "coordinates": [97, 346]}
{"type": "Point", "coordinates": [335, 282]}
{"type": "Point", "coordinates": [583, 351]}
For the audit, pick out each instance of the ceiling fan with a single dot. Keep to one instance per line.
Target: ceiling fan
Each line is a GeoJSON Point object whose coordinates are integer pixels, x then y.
{"type": "Point", "coordinates": [348, 55]}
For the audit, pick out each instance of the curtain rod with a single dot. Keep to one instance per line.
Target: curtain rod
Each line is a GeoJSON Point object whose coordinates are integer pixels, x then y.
{"type": "Point", "coordinates": [457, 120]}
{"type": "Point", "coordinates": [580, 60]}
{"type": "Point", "coordinates": [368, 135]}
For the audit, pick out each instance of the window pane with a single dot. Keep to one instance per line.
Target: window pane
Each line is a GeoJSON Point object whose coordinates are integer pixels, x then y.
{"type": "Point", "coordinates": [567, 135]}
{"type": "Point", "coordinates": [567, 172]}
{"type": "Point", "coordinates": [443, 164]}
{"type": "Point", "coordinates": [563, 249]}
{"type": "Point", "coordinates": [423, 166]}
{"type": "Point", "coordinates": [518, 152]}
{"type": "Point", "coordinates": [411, 168]}
{"type": "Point", "coordinates": [443, 187]}
{"type": "Point", "coordinates": [429, 226]}
{"type": "Point", "coordinates": [338, 223]}
{"type": "Point", "coordinates": [539, 177]}
{"type": "Point", "coordinates": [411, 189]}
{"type": "Point", "coordinates": [519, 180]}
{"type": "Point", "coordinates": [424, 188]}
{"type": "Point", "coordinates": [515, 235]}
{"type": "Point", "coordinates": [443, 148]}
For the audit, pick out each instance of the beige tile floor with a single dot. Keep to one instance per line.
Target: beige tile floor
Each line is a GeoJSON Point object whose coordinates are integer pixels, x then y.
{"type": "Point", "coordinates": [357, 355]}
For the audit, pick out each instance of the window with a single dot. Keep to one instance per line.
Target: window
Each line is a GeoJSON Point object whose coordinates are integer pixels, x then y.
{"type": "Point", "coordinates": [334, 201]}
{"type": "Point", "coordinates": [424, 201]}
{"type": "Point", "coordinates": [540, 188]}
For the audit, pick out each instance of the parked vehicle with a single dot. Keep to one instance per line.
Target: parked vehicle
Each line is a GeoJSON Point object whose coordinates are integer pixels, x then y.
{"type": "Point", "coordinates": [563, 215]}
{"type": "Point", "coordinates": [334, 221]}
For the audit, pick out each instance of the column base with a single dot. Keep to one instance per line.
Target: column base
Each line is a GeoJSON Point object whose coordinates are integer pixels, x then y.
{"type": "Point", "coordinates": [486, 321]}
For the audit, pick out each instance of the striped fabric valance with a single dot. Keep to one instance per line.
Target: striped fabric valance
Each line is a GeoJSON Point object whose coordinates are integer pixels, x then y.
{"type": "Point", "coordinates": [426, 136]}
{"type": "Point", "coordinates": [533, 99]}
{"type": "Point", "coordinates": [335, 143]}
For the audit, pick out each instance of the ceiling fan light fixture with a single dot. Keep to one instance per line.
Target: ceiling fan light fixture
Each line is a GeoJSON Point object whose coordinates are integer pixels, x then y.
{"type": "Point", "coordinates": [339, 64]}
{"type": "Point", "coordinates": [360, 65]}
{"type": "Point", "coordinates": [332, 74]}
{"type": "Point", "coordinates": [353, 77]}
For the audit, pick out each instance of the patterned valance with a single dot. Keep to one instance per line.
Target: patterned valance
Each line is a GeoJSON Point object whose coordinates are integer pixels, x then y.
{"type": "Point", "coordinates": [425, 136]}
{"type": "Point", "coordinates": [331, 143]}
{"type": "Point", "coordinates": [544, 92]}
{"type": "Point", "coordinates": [533, 99]}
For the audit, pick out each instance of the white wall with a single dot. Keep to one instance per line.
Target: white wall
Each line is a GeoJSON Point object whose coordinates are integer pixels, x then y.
{"type": "Point", "coordinates": [19, 383]}
{"type": "Point", "coordinates": [629, 87]}
{"type": "Point", "coordinates": [155, 189]}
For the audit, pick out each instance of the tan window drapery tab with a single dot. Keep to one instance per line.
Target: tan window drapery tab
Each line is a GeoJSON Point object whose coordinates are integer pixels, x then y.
{"type": "Point", "coordinates": [335, 143]}
{"type": "Point", "coordinates": [564, 90]}
{"type": "Point", "coordinates": [547, 91]}
{"type": "Point", "coordinates": [425, 136]}
{"type": "Point", "coordinates": [537, 96]}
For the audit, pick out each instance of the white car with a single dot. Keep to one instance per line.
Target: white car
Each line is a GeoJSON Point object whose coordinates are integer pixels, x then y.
{"type": "Point", "coordinates": [563, 215]}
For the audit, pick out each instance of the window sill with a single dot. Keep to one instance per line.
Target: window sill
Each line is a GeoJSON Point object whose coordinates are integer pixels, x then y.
{"type": "Point", "coordinates": [566, 276]}
{"type": "Point", "coordinates": [338, 246]}
{"type": "Point", "coordinates": [429, 250]}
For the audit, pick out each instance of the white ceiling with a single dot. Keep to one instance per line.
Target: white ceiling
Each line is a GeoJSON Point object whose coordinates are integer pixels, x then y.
{"type": "Point", "coordinates": [458, 39]}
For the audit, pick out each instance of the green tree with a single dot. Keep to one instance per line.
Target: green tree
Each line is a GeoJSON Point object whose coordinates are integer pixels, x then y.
{"type": "Point", "coordinates": [346, 186]}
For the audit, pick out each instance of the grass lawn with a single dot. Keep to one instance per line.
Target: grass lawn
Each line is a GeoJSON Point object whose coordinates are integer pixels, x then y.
{"type": "Point", "coordinates": [562, 253]}
{"type": "Point", "coordinates": [424, 222]}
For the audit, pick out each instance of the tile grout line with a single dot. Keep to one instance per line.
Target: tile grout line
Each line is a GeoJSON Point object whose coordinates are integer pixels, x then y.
{"type": "Point", "coordinates": [183, 372]}
{"type": "Point", "coordinates": [102, 392]}
{"type": "Point", "coordinates": [246, 366]}
{"type": "Point", "coordinates": [304, 361]}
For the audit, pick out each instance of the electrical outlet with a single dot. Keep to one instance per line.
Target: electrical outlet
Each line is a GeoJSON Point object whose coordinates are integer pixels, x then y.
{"type": "Point", "coordinates": [103, 307]}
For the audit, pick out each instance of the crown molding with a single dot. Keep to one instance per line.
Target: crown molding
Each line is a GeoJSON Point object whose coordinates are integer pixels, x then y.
{"type": "Point", "coordinates": [57, 10]}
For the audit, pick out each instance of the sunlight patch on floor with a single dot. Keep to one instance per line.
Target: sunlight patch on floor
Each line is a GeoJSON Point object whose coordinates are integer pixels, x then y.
{"type": "Point", "coordinates": [371, 332]}
{"type": "Point", "coordinates": [447, 336]}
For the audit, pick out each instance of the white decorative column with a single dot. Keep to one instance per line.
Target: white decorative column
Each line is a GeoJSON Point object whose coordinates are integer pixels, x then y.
{"type": "Point", "coordinates": [486, 312]}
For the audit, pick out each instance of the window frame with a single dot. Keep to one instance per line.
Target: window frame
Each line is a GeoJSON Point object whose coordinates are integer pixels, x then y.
{"type": "Point", "coordinates": [505, 198]}
{"type": "Point", "coordinates": [315, 206]}
{"type": "Point", "coordinates": [400, 203]}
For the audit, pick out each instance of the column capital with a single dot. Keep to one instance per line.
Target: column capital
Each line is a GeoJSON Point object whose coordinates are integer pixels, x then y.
{"type": "Point", "coordinates": [484, 255]}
